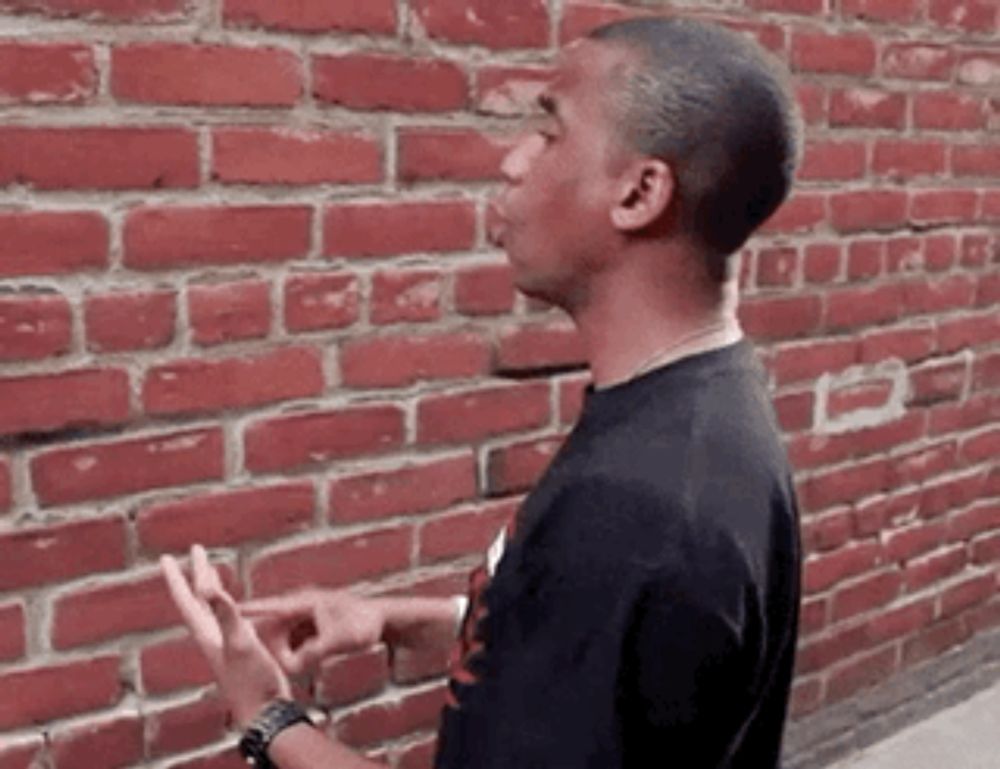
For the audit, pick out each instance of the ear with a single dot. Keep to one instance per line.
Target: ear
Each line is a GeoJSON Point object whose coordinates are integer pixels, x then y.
{"type": "Point", "coordinates": [647, 187]}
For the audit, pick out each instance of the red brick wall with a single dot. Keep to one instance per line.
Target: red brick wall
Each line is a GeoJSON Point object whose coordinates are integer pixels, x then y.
{"type": "Point", "coordinates": [248, 302]}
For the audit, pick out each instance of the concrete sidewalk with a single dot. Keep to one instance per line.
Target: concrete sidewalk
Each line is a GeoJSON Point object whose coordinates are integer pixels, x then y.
{"type": "Point", "coordinates": [966, 736]}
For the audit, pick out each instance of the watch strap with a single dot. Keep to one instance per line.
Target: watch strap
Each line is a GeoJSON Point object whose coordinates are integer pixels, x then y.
{"type": "Point", "coordinates": [275, 717]}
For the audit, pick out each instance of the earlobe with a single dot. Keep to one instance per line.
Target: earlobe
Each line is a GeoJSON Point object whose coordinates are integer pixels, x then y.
{"type": "Point", "coordinates": [646, 195]}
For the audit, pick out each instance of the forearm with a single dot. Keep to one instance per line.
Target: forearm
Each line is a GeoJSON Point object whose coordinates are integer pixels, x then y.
{"type": "Point", "coordinates": [419, 622]}
{"type": "Point", "coordinates": [303, 747]}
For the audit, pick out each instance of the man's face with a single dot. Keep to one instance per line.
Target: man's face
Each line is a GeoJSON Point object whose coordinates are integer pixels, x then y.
{"type": "Point", "coordinates": [554, 212]}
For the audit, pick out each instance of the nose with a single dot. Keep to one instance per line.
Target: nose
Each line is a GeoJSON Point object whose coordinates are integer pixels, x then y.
{"type": "Point", "coordinates": [518, 160]}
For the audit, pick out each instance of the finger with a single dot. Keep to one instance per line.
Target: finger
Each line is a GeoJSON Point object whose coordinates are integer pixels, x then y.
{"type": "Point", "coordinates": [224, 608]}
{"type": "Point", "coordinates": [281, 606]}
{"type": "Point", "coordinates": [206, 578]}
{"type": "Point", "coordinates": [296, 661]}
{"type": "Point", "coordinates": [201, 623]}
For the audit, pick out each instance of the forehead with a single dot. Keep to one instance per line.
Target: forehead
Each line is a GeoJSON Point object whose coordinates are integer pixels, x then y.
{"type": "Point", "coordinates": [586, 69]}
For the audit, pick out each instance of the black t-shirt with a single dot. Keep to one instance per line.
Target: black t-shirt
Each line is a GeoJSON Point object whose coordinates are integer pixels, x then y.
{"type": "Point", "coordinates": [644, 611]}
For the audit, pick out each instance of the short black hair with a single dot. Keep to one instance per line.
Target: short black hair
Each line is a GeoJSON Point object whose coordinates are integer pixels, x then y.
{"type": "Point", "coordinates": [719, 109]}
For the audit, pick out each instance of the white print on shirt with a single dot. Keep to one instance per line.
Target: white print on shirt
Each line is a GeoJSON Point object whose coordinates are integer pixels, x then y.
{"type": "Point", "coordinates": [495, 553]}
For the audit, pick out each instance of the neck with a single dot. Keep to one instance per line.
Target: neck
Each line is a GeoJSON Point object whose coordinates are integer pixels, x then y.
{"type": "Point", "coordinates": [633, 322]}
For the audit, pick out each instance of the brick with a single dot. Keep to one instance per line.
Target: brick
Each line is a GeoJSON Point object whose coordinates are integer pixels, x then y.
{"type": "Point", "coordinates": [76, 474]}
{"type": "Point", "coordinates": [412, 296]}
{"type": "Point", "coordinates": [467, 532]}
{"type": "Point", "coordinates": [495, 24]}
{"type": "Point", "coordinates": [426, 154]}
{"type": "Point", "coordinates": [418, 755]}
{"type": "Point", "coordinates": [870, 592]}
{"type": "Point", "coordinates": [819, 450]}
{"type": "Point", "coordinates": [516, 468]}
{"type": "Point", "coordinates": [777, 266]}
{"type": "Point", "coordinates": [906, 344]}
{"type": "Point", "coordinates": [74, 399]}
{"type": "Point", "coordinates": [889, 11]}
{"type": "Point", "coordinates": [982, 518]}
{"type": "Point", "coordinates": [229, 312]}
{"type": "Point", "coordinates": [228, 518]}
{"type": "Point", "coordinates": [955, 493]}
{"type": "Point", "coordinates": [174, 664]}
{"type": "Point", "coordinates": [197, 386]}
{"type": "Point", "coordinates": [905, 254]}
{"type": "Point", "coordinates": [123, 322]}
{"type": "Point", "coordinates": [974, 411]}
{"type": "Point", "coordinates": [52, 243]}
{"type": "Point", "coordinates": [6, 485]}
{"type": "Point", "coordinates": [867, 108]}
{"type": "Point", "coordinates": [812, 102]}
{"type": "Point", "coordinates": [845, 485]}
{"type": "Point", "coordinates": [105, 10]}
{"type": "Point", "coordinates": [805, 698]}
{"type": "Point", "coordinates": [822, 262]}
{"type": "Point", "coordinates": [34, 326]}
{"type": "Point", "coordinates": [829, 531]}
{"type": "Point", "coordinates": [848, 54]}
{"type": "Point", "coordinates": [22, 755]}
{"type": "Point", "coordinates": [387, 229]}
{"type": "Point", "coordinates": [940, 252]}
{"type": "Point", "coordinates": [979, 160]}
{"type": "Point", "coordinates": [539, 346]}
{"type": "Point", "coordinates": [186, 726]}
{"type": "Point", "coordinates": [407, 490]}
{"type": "Point", "coordinates": [509, 91]}
{"type": "Point", "coordinates": [12, 632]}
{"type": "Point", "coordinates": [923, 464]}
{"type": "Point", "coordinates": [404, 359]}
{"type": "Point", "coordinates": [227, 758]}
{"type": "Point", "coordinates": [918, 61]}
{"type": "Point", "coordinates": [934, 642]}
{"type": "Point", "coordinates": [906, 159]}
{"type": "Point", "coordinates": [968, 15]}
{"type": "Point", "coordinates": [784, 317]}
{"type": "Point", "coordinates": [395, 718]}
{"type": "Point", "coordinates": [986, 373]}
{"type": "Point", "coordinates": [968, 330]}
{"type": "Point", "coordinates": [802, 212]}
{"type": "Point", "coordinates": [112, 610]}
{"type": "Point", "coordinates": [163, 238]}
{"type": "Point", "coordinates": [205, 75]}
{"type": "Point", "coordinates": [297, 440]}
{"type": "Point", "coordinates": [865, 259]}
{"type": "Point", "coordinates": [46, 73]}
{"type": "Point", "coordinates": [347, 679]}
{"type": "Point", "coordinates": [319, 301]}
{"type": "Point", "coordinates": [873, 516]}
{"type": "Point", "coordinates": [845, 641]}
{"type": "Point", "coordinates": [864, 395]}
{"type": "Point", "coordinates": [854, 307]}
{"type": "Point", "coordinates": [902, 620]}
{"type": "Point", "coordinates": [40, 694]}
{"type": "Point", "coordinates": [862, 673]}
{"type": "Point", "coordinates": [979, 68]}
{"type": "Point", "coordinates": [387, 82]}
{"type": "Point", "coordinates": [803, 7]}
{"type": "Point", "coordinates": [332, 563]}
{"type": "Point", "coordinates": [946, 111]}
{"type": "Point", "coordinates": [933, 568]}
{"type": "Point", "coordinates": [868, 210]}
{"type": "Point", "coordinates": [484, 289]}
{"type": "Point", "coordinates": [795, 411]}
{"type": "Point", "coordinates": [372, 16]}
{"type": "Point", "coordinates": [579, 19]}
{"type": "Point", "coordinates": [56, 553]}
{"type": "Point", "coordinates": [294, 156]}
{"type": "Point", "coordinates": [832, 161]}
{"type": "Point", "coordinates": [943, 207]}
{"type": "Point", "coordinates": [905, 544]}
{"type": "Point", "coordinates": [967, 593]}
{"type": "Point", "coordinates": [111, 744]}
{"type": "Point", "coordinates": [478, 414]}
{"type": "Point", "coordinates": [986, 551]}
{"type": "Point", "coordinates": [982, 446]}
{"type": "Point", "coordinates": [932, 295]}
{"type": "Point", "coordinates": [98, 158]}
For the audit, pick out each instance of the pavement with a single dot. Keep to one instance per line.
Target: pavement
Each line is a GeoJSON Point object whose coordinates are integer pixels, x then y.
{"type": "Point", "coordinates": [966, 736]}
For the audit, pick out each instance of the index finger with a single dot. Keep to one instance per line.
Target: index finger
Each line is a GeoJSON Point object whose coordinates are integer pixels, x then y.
{"type": "Point", "coordinates": [277, 607]}
{"type": "Point", "coordinates": [195, 614]}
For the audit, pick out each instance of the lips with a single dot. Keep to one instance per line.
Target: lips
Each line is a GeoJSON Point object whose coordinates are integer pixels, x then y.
{"type": "Point", "coordinates": [496, 223]}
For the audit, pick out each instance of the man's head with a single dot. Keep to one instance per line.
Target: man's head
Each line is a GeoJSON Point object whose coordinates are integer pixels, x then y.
{"type": "Point", "coordinates": [655, 129]}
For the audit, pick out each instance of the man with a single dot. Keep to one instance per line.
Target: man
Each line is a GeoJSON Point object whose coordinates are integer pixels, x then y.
{"type": "Point", "coordinates": [643, 610]}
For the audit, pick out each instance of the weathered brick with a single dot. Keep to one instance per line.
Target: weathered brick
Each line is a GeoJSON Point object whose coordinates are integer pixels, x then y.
{"type": "Point", "coordinates": [508, 90]}
{"type": "Point", "coordinates": [174, 664]}
{"type": "Point", "coordinates": [427, 154]}
{"type": "Point", "coordinates": [121, 322]}
{"type": "Point", "coordinates": [516, 468]}
{"type": "Point", "coordinates": [890, 11]}
{"type": "Point", "coordinates": [467, 532]}
{"type": "Point", "coordinates": [316, 301]}
{"type": "Point", "coordinates": [12, 632]}
{"type": "Point", "coordinates": [491, 23]}
{"type": "Point", "coordinates": [205, 75]}
{"type": "Point", "coordinates": [478, 414]}
{"type": "Point", "coordinates": [867, 108]}
{"type": "Point", "coordinates": [228, 312]}
{"type": "Point", "coordinates": [407, 490]}
{"type": "Point", "coordinates": [186, 726]}
{"type": "Point", "coordinates": [871, 592]}
{"type": "Point", "coordinates": [861, 673]}
{"type": "Point", "coordinates": [833, 160]}
{"type": "Point", "coordinates": [484, 289]}
{"type": "Point", "coordinates": [802, 212]}
{"type": "Point", "coordinates": [946, 111]}
{"type": "Point", "coordinates": [382, 721]}
{"type": "Point", "coordinates": [34, 326]}
{"type": "Point", "coordinates": [404, 295]}
{"type": "Point", "coordinates": [57, 553]}
{"type": "Point", "coordinates": [75, 474]}
{"type": "Point", "coordinates": [868, 210]}
{"type": "Point", "coordinates": [294, 156]}
{"type": "Point", "coordinates": [52, 243]}
{"type": "Point", "coordinates": [111, 744]}
{"type": "Point", "coordinates": [32, 73]}
{"type": "Point", "coordinates": [905, 159]}
{"type": "Point", "coordinates": [850, 54]}
{"type": "Point", "coordinates": [918, 61]}
{"type": "Point", "coordinates": [968, 15]}
{"type": "Point", "coordinates": [47, 402]}
{"type": "Point", "coordinates": [40, 694]}
{"type": "Point", "coordinates": [383, 81]}
{"type": "Point", "coordinates": [386, 229]}
{"type": "Point", "coordinates": [401, 360]}
{"type": "Point", "coordinates": [785, 317]}
{"type": "Point", "coordinates": [976, 160]}
{"type": "Point", "coordinates": [98, 158]}
{"type": "Point", "coordinates": [296, 440]}
{"type": "Point", "coordinates": [373, 16]}
{"type": "Point", "coordinates": [226, 518]}
{"type": "Point", "coordinates": [163, 238]}
{"type": "Point", "coordinates": [538, 346]}
{"type": "Point", "coordinates": [943, 207]}
{"type": "Point", "coordinates": [105, 10]}
{"type": "Point", "coordinates": [346, 679]}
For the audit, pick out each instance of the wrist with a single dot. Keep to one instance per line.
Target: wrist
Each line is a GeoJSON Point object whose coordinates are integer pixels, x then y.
{"type": "Point", "coordinates": [274, 718]}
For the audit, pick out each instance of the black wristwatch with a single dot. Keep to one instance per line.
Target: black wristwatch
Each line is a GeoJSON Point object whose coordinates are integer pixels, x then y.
{"type": "Point", "coordinates": [275, 717]}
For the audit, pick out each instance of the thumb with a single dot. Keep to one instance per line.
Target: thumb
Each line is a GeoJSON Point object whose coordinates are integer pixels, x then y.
{"type": "Point", "coordinates": [299, 660]}
{"type": "Point", "coordinates": [226, 613]}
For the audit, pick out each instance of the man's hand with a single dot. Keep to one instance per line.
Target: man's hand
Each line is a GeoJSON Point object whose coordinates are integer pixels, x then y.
{"type": "Point", "coordinates": [248, 676]}
{"type": "Point", "coordinates": [302, 628]}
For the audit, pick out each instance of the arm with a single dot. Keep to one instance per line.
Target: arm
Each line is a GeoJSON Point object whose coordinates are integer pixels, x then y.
{"type": "Point", "coordinates": [303, 747]}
